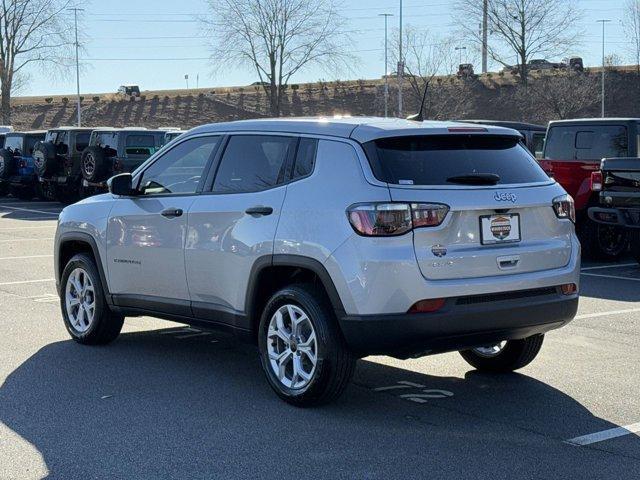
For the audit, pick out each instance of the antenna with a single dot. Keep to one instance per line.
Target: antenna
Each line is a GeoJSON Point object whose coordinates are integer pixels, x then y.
{"type": "Point", "coordinates": [419, 117]}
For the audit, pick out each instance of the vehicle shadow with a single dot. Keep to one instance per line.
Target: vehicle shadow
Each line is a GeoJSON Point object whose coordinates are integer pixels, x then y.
{"type": "Point", "coordinates": [154, 405]}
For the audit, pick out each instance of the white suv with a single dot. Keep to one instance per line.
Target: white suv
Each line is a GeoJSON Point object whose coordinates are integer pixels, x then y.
{"type": "Point", "coordinates": [325, 240]}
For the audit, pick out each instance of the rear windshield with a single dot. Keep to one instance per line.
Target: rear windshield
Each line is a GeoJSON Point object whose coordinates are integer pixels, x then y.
{"type": "Point", "coordinates": [139, 144]}
{"type": "Point", "coordinates": [432, 159]}
{"type": "Point", "coordinates": [586, 142]}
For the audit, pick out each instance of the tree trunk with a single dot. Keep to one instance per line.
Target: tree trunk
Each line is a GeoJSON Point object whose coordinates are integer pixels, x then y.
{"type": "Point", "coordinates": [273, 100]}
{"type": "Point", "coordinates": [5, 103]}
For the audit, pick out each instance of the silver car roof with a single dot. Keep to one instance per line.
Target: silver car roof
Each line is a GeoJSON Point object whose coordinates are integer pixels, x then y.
{"type": "Point", "coordinates": [361, 129]}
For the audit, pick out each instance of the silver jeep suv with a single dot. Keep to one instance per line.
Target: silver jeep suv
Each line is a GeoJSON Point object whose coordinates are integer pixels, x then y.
{"type": "Point", "coordinates": [326, 240]}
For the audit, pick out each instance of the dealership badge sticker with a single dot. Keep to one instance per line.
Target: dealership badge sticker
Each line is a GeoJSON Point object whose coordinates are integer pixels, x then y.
{"type": "Point", "coordinates": [439, 250]}
{"type": "Point", "coordinates": [500, 227]}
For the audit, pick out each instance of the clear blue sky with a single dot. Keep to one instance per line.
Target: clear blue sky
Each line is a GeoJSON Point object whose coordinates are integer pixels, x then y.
{"type": "Point", "coordinates": [164, 42]}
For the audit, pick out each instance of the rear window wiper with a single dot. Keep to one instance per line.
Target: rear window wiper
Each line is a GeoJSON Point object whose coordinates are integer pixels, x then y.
{"type": "Point", "coordinates": [475, 179]}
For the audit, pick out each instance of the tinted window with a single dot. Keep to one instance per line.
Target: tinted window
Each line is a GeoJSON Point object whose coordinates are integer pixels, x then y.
{"type": "Point", "coordinates": [14, 144]}
{"type": "Point", "coordinates": [252, 163]}
{"type": "Point", "coordinates": [432, 159]}
{"type": "Point", "coordinates": [108, 141]}
{"type": "Point", "coordinates": [538, 144]}
{"type": "Point", "coordinates": [305, 158]}
{"type": "Point", "coordinates": [82, 141]}
{"type": "Point", "coordinates": [140, 144]}
{"type": "Point", "coordinates": [586, 142]}
{"type": "Point", "coordinates": [180, 169]}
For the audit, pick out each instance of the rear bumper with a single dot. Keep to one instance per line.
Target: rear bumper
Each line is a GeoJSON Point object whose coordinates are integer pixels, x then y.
{"type": "Point", "coordinates": [462, 323]}
{"type": "Point", "coordinates": [624, 217]}
{"type": "Point", "coordinates": [23, 180]}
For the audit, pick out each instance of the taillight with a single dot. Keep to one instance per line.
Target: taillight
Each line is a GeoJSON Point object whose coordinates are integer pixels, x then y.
{"type": "Point", "coordinates": [389, 219]}
{"type": "Point", "coordinates": [596, 181]}
{"type": "Point", "coordinates": [22, 164]}
{"type": "Point", "coordinates": [564, 207]}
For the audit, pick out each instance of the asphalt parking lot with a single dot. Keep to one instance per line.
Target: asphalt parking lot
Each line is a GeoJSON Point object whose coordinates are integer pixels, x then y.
{"type": "Point", "coordinates": [165, 401]}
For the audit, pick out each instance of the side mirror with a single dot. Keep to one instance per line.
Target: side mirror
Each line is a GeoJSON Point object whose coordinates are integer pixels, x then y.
{"type": "Point", "coordinates": [121, 185]}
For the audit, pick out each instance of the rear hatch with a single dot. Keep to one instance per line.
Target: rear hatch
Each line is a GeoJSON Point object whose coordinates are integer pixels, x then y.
{"type": "Point", "coordinates": [572, 152]}
{"type": "Point", "coordinates": [500, 220]}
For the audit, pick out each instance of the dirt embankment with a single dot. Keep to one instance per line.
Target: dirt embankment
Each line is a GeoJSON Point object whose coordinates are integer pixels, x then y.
{"type": "Point", "coordinates": [491, 96]}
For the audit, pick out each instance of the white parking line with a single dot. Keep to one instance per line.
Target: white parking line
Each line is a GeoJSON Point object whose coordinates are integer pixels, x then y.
{"type": "Point", "coordinates": [600, 267]}
{"type": "Point", "coordinates": [19, 209]}
{"type": "Point", "coordinates": [21, 282]}
{"type": "Point", "coordinates": [614, 277]}
{"type": "Point", "coordinates": [604, 314]}
{"type": "Point", "coordinates": [26, 257]}
{"type": "Point", "coordinates": [26, 240]}
{"type": "Point", "coordinates": [604, 435]}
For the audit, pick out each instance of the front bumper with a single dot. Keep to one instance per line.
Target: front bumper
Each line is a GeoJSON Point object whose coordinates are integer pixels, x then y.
{"type": "Point", "coordinates": [463, 322]}
{"type": "Point", "coordinates": [623, 217]}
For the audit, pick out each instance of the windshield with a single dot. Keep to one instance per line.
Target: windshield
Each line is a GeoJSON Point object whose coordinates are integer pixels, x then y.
{"type": "Point", "coordinates": [441, 159]}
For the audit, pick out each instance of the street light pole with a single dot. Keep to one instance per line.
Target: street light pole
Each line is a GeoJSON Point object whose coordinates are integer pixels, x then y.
{"type": "Point", "coordinates": [400, 67]}
{"type": "Point", "coordinates": [386, 65]}
{"type": "Point", "coordinates": [604, 21]}
{"type": "Point", "coordinates": [75, 19]}
{"type": "Point", "coordinates": [460, 49]}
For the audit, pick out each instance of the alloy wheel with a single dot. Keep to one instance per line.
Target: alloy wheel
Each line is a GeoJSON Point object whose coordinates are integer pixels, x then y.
{"type": "Point", "coordinates": [490, 350]}
{"type": "Point", "coordinates": [80, 300]}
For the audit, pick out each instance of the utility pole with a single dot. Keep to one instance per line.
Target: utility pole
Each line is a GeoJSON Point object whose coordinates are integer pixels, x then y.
{"type": "Point", "coordinates": [485, 29]}
{"type": "Point", "coordinates": [75, 18]}
{"type": "Point", "coordinates": [386, 65]}
{"type": "Point", "coordinates": [400, 67]}
{"type": "Point", "coordinates": [604, 21]}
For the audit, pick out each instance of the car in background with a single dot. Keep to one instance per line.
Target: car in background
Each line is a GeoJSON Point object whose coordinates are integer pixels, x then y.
{"type": "Point", "coordinates": [572, 63]}
{"type": "Point", "coordinates": [116, 150]}
{"type": "Point", "coordinates": [618, 182]}
{"type": "Point", "coordinates": [17, 170]}
{"type": "Point", "coordinates": [57, 162]}
{"type": "Point", "coordinates": [573, 150]}
{"type": "Point", "coordinates": [465, 70]}
{"type": "Point", "coordinates": [129, 90]}
{"type": "Point", "coordinates": [172, 135]}
{"type": "Point", "coordinates": [533, 134]}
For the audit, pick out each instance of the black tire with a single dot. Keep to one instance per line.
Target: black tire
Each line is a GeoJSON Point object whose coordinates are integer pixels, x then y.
{"type": "Point", "coordinates": [93, 164]}
{"type": "Point", "coordinates": [602, 242]}
{"type": "Point", "coordinates": [514, 355]}
{"type": "Point", "coordinates": [45, 160]}
{"type": "Point", "coordinates": [634, 240]}
{"type": "Point", "coordinates": [106, 325]}
{"type": "Point", "coordinates": [335, 364]}
{"type": "Point", "coordinates": [7, 164]}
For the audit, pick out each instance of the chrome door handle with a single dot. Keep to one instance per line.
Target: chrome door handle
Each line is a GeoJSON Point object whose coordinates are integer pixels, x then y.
{"type": "Point", "coordinates": [172, 212]}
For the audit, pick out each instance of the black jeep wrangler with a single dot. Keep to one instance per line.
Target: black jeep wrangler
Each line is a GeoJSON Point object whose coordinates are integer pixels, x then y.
{"type": "Point", "coordinates": [57, 162]}
{"type": "Point", "coordinates": [17, 173]}
{"type": "Point", "coordinates": [116, 150]}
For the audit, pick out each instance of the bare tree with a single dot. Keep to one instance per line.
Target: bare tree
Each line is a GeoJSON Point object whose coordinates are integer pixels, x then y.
{"type": "Point", "coordinates": [277, 39]}
{"type": "Point", "coordinates": [631, 25]}
{"type": "Point", "coordinates": [425, 57]}
{"type": "Point", "coordinates": [522, 28]}
{"type": "Point", "coordinates": [567, 95]}
{"type": "Point", "coordinates": [31, 32]}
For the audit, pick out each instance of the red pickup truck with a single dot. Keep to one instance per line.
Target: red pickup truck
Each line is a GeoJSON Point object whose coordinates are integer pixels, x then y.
{"type": "Point", "coordinates": [573, 149]}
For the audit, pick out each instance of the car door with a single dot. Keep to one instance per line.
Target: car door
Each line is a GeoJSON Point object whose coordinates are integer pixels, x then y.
{"type": "Point", "coordinates": [146, 233]}
{"type": "Point", "coordinates": [234, 225]}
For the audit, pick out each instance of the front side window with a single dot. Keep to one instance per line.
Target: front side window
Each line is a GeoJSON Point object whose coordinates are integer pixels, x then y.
{"type": "Point", "coordinates": [252, 163]}
{"type": "Point", "coordinates": [180, 170]}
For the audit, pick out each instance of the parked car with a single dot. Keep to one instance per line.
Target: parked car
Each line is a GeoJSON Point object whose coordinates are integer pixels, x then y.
{"type": "Point", "coordinates": [573, 63]}
{"type": "Point", "coordinates": [573, 150]}
{"type": "Point", "coordinates": [17, 172]}
{"type": "Point", "coordinates": [465, 70]}
{"type": "Point", "coordinates": [541, 64]}
{"type": "Point", "coordinates": [532, 134]}
{"type": "Point", "coordinates": [618, 182]}
{"type": "Point", "coordinates": [435, 237]}
{"type": "Point", "coordinates": [57, 162]}
{"type": "Point", "coordinates": [116, 150]}
{"type": "Point", "coordinates": [129, 90]}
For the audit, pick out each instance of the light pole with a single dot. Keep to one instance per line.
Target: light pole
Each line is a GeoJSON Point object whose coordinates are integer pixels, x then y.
{"type": "Point", "coordinates": [460, 49]}
{"type": "Point", "coordinates": [386, 65]}
{"type": "Point", "coordinates": [400, 66]}
{"type": "Point", "coordinates": [604, 21]}
{"type": "Point", "coordinates": [75, 18]}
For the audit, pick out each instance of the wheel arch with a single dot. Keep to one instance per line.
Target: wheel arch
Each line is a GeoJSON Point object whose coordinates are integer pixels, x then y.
{"type": "Point", "coordinates": [272, 272]}
{"type": "Point", "coordinates": [72, 243]}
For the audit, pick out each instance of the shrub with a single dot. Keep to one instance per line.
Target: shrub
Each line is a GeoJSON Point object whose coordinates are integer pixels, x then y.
{"type": "Point", "coordinates": [295, 86]}
{"type": "Point", "coordinates": [48, 99]}
{"type": "Point", "coordinates": [96, 99]}
{"type": "Point", "coordinates": [65, 100]}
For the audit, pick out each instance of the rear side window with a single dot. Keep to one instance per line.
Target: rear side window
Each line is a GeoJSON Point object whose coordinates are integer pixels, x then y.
{"type": "Point", "coordinates": [538, 144]}
{"type": "Point", "coordinates": [432, 159]}
{"type": "Point", "coordinates": [586, 142]}
{"type": "Point", "coordinates": [252, 163]}
{"type": "Point", "coordinates": [306, 157]}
